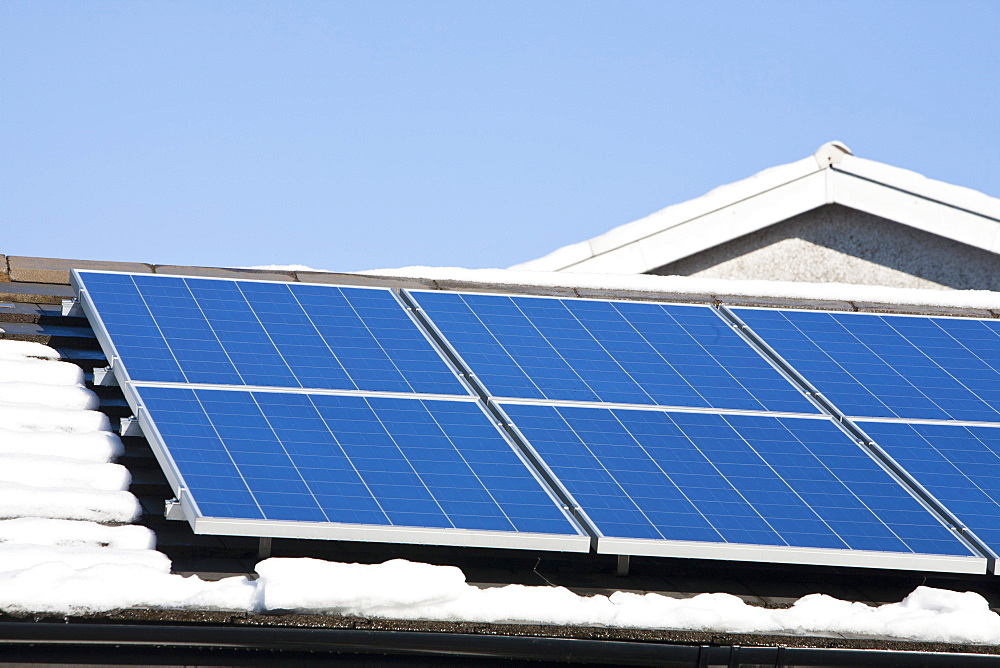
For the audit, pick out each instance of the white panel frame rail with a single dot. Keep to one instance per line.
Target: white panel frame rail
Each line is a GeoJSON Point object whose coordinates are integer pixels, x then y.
{"type": "Point", "coordinates": [185, 507]}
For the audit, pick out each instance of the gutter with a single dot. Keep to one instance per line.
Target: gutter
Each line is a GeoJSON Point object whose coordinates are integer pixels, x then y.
{"type": "Point", "coordinates": [112, 644]}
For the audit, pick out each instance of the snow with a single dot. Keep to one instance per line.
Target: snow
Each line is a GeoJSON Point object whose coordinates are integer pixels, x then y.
{"type": "Point", "coordinates": [30, 371]}
{"type": "Point", "coordinates": [31, 418]}
{"type": "Point", "coordinates": [400, 589]}
{"type": "Point", "coordinates": [55, 450]}
{"type": "Point", "coordinates": [20, 350]}
{"type": "Point", "coordinates": [41, 471]}
{"type": "Point", "coordinates": [91, 446]}
{"type": "Point", "coordinates": [285, 267]}
{"type": "Point", "coordinates": [59, 587]}
{"type": "Point", "coordinates": [676, 214]}
{"type": "Point", "coordinates": [662, 286]}
{"type": "Point", "coordinates": [69, 533]}
{"type": "Point", "coordinates": [55, 396]}
{"type": "Point", "coordinates": [20, 500]}
{"type": "Point", "coordinates": [889, 181]}
{"type": "Point", "coordinates": [15, 557]}
{"type": "Point", "coordinates": [59, 550]}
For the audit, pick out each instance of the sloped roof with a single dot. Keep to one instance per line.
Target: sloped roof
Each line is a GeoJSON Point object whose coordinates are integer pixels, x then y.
{"type": "Point", "coordinates": [832, 175]}
{"type": "Point", "coordinates": [39, 280]}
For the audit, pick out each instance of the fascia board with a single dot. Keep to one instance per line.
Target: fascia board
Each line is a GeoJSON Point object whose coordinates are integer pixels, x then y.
{"type": "Point", "coordinates": [672, 216]}
{"type": "Point", "coordinates": [917, 211]}
{"type": "Point", "coordinates": [713, 228]}
{"type": "Point", "coordinates": [959, 197]}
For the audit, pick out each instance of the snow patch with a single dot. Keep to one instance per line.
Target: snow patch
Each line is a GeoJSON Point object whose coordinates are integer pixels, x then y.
{"type": "Point", "coordinates": [67, 397]}
{"type": "Point", "coordinates": [285, 267]}
{"type": "Point", "coordinates": [325, 586]}
{"type": "Point", "coordinates": [59, 587]}
{"type": "Point", "coordinates": [39, 471]}
{"type": "Point", "coordinates": [400, 589]}
{"type": "Point", "coordinates": [30, 371]}
{"type": "Point", "coordinates": [19, 557]}
{"type": "Point", "coordinates": [37, 418]}
{"type": "Point", "coordinates": [56, 485]}
{"type": "Point", "coordinates": [20, 350]}
{"type": "Point", "coordinates": [19, 500]}
{"type": "Point", "coordinates": [93, 446]}
{"type": "Point", "coordinates": [71, 533]}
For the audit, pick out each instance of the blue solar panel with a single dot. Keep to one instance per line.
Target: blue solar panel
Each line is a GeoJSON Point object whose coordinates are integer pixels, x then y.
{"type": "Point", "coordinates": [604, 351]}
{"type": "Point", "coordinates": [959, 465]}
{"type": "Point", "coordinates": [349, 459]}
{"type": "Point", "coordinates": [189, 330]}
{"type": "Point", "coordinates": [871, 365]}
{"type": "Point", "coordinates": [643, 474]}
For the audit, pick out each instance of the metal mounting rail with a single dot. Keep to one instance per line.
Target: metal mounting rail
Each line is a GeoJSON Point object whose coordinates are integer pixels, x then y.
{"type": "Point", "coordinates": [861, 438]}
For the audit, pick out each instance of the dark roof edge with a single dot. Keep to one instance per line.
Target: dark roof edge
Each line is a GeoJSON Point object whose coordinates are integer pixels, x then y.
{"type": "Point", "coordinates": [43, 277]}
{"type": "Point", "coordinates": [333, 633]}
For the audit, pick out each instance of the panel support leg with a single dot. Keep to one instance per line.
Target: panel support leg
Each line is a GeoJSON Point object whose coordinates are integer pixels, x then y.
{"type": "Point", "coordinates": [264, 548]}
{"type": "Point", "coordinates": [623, 564]}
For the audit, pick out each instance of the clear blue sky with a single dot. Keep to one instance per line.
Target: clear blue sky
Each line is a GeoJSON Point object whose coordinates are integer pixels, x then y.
{"type": "Point", "coordinates": [473, 133]}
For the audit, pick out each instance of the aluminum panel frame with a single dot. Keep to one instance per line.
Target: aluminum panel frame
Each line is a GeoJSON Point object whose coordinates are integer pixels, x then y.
{"type": "Point", "coordinates": [793, 555]}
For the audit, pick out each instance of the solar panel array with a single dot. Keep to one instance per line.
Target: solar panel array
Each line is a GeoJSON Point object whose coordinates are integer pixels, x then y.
{"type": "Point", "coordinates": [555, 423]}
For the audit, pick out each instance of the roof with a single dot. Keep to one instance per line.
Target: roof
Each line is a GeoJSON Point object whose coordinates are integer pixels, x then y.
{"type": "Point", "coordinates": [37, 285]}
{"type": "Point", "coordinates": [832, 175]}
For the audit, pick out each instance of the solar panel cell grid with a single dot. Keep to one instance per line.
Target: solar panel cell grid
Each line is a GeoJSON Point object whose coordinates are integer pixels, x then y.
{"type": "Point", "coordinates": [959, 465]}
{"type": "Point", "coordinates": [603, 351]}
{"type": "Point", "coordinates": [870, 365]}
{"type": "Point", "coordinates": [349, 459]}
{"type": "Point", "coordinates": [169, 329]}
{"type": "Point", "coordinates": [132, 328]}
{"type": "Point", "coordinates": [724, 478]}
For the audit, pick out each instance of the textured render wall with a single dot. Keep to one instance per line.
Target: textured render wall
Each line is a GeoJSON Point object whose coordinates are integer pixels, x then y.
{"type": "Point", "coordinates": [837, 244]}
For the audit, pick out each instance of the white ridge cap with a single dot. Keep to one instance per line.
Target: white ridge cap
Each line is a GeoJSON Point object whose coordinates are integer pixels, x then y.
{"type": "Point", "coordinates": [831, 153]}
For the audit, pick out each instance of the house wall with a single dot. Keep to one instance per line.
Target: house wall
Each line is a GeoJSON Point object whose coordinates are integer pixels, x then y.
{"type": "Point", "coordinates": [837, 244]}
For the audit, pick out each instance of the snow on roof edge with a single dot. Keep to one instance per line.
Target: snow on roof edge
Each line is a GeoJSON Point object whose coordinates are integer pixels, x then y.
{"type": "Point", "coordinates": [719, 288]}
{"type": "Point", "coordinates": [830, 155]}
{"type": "Point", "coordinates": [673, 215]}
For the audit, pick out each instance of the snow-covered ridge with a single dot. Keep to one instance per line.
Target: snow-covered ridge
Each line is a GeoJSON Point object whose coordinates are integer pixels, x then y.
{"type": "Point", "coordinates": [829, 176]}
{"type": "Point", "coordinates": [664, 286]}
